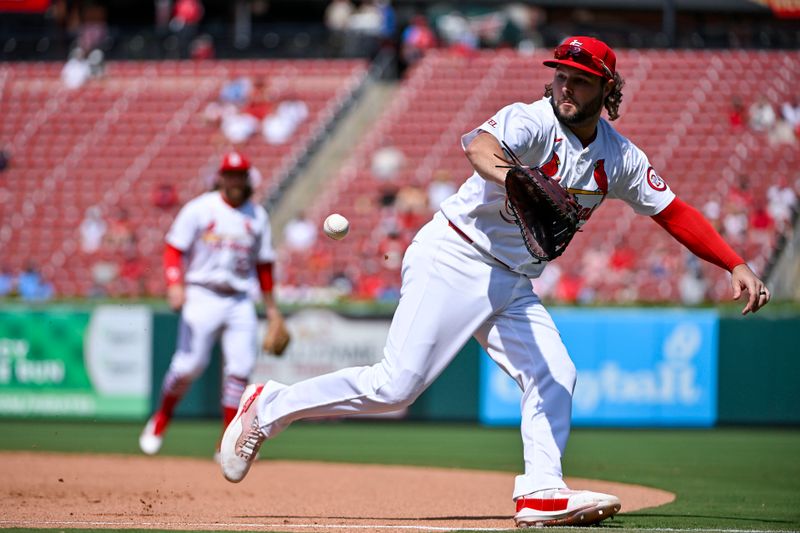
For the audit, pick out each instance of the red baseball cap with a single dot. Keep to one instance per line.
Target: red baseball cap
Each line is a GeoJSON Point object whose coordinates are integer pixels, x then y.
{"type": "Point", "coordinates": [234, 162]}
{"type": "Point", "coordinates": [587, 54]}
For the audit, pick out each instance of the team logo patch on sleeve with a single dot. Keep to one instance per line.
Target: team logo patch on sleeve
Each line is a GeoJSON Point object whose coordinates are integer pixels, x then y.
{"type": "Point", "coordinates": [655, 181]}
{"type": "Point", "coordinates": [492, 122]}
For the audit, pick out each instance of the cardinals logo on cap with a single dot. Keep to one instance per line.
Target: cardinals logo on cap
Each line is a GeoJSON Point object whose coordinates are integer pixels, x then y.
{"type": "Point", "coordinates": [234, 161]}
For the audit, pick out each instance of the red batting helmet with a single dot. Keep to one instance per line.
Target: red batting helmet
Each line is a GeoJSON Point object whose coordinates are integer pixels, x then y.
{"type": "Point", "coordinates": [234, 162]}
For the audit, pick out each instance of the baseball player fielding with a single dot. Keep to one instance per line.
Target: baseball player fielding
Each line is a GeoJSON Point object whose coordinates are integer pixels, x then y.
{"type": "Point", "coordinates": [336, 226]}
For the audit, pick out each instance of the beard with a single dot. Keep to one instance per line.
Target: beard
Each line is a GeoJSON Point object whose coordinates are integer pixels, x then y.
{"type": "Point", "coordinates": [581, 113]}
{"type": "Point", "coordinates": [236, 195]}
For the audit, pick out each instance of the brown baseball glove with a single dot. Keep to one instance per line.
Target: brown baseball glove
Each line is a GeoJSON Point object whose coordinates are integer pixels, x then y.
{"type": "Point", "coordinates": [277, 337]}
{"type": "Point", "coordinates": [546, 213]}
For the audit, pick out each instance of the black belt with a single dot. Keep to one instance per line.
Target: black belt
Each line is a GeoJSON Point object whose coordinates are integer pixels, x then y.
{"type": "Point", "coordinates": [225, 291]}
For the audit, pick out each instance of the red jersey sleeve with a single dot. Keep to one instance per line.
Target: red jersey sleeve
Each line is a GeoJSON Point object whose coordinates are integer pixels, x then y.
{"type": "Point", "coordinates": [688, 226]}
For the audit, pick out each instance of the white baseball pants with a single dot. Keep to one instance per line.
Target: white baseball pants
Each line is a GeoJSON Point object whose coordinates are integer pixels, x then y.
{"type": "Point", "coordinates": [451, 291]}
{"type": "Point", "coordinates": [207, 316]}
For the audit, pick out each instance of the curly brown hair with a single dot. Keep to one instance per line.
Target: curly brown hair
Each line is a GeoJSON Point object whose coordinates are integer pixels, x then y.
{"type": "Point", "coordinates": [613, 100]}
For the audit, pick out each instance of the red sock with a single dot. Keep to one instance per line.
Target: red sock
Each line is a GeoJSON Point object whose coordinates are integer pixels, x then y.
{"type": "Point", "coordinates": [164, 414]}
{"type": "Point", "coordinates": [228, 414]}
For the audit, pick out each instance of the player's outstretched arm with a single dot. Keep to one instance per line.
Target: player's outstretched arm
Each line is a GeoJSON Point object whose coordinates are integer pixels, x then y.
{"type": "Point", "coordinates": [483, 153]}
{"type": "Point", "coordinates": [744, 280]}
{"type": "Point", "coordinates": [688, 226]}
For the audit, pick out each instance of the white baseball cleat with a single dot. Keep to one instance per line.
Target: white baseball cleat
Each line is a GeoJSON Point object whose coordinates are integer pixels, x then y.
{"type": "Point", "coordinates": [242, 437]}
{"type": "Point", "coordinates": [565, 507]}
{"type": "Point", "coordinates": [152, 436]}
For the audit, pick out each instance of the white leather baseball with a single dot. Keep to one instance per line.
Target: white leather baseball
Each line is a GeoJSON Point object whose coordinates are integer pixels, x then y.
{"type": "Point", "coordinates": [336, 226]}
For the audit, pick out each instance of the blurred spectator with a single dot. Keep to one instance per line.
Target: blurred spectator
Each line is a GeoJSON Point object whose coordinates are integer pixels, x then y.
{"type": "Point", "coordinates": [93, 29]}
{"type": "Point", "coordinates": [528, 20]}
{"type": "Point", "coordinates": [712, 211]}
{"type": "Point", "coordinates": [790, 112]}
{"type": "Point", "coordinates": [236, 91]}
{"type": "Point", "coordinates": [32, 286]}
{"type": "Point", "coordinates": [734, 224]}
{"type": "Point", "coordinates": [96, 61]}
{"type": "Point", "coordinates": [387, 162]}
{"type": "Point", "coordinates": [781, 203]}
{"type": "Point", "coordinates": [761, 115]}
{"type": "Point", "coordinates": [5, 160]}
{"type": "Point", "coordinates": [369, 284]}
{"type": "Point", "coordinates": [594, 264]}
{"type": "Point", "coordinates": [782, 133]}
{"type": "Point", "coordinates": [692, 286]}
{"type": "Point", "coordinates": [104, 273]}
{"type": "Point", "coordinates": [457, 33]}
{"type": "Point", "coordinates": [440, 188]}
{"type": "Point", "coordinates": [8, 283]}
{"type": "Point", "coordinates": [761, 225]}
{"type": "Point", "coordinates": [76, 70]}
{"type": "Point", "coordinates": [131, 273]}
{"type": "Point", "coordinates": [238, 127]}
{"type": "Point", "coordinates": [416, 40]}
{"type": "Point", "coordinates": [164, 196]}
{"type": "Point", "coordinates": [119, 234]}
{"type": "Point", "coordinates": [337, 20]}
{"type": "Point", "coordinates": [740, 196]}
{"type": "Point", "coordinates": [391, 248]}
{"type": "Point", "coordinates": [258, 102]}
{"type": "Point", "coordinates": [569, 286]}
{"type": "Point", "coordinates": [279, 127]}
{"type": "Point", "coordinates": [388, 22]}
{"type": "Point", "coordinates": [364, 29]}
{"type": "Point", "coordinates": [186, 17]}
{"type": "Point", "coordinates": [411, 205]}
{"type": "Point", "coordinates": [736, 115]}
{"type": "Point", "coordinates": [93, 229]}
{"type": "Point", "coordinates": [623, 258]}
{"type": "Point", "coordinates": [342, 283]}
{"type": "Point", "coordinates": [300, 233]}
{"type": "Point", "coordinates": [202, 47]}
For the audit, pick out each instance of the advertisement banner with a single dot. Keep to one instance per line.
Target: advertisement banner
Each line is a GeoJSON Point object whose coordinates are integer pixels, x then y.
{"type": "Point", "coordinates": [322, 342]}
{"type": "Point", "coordinates": [635, 368]}
{"type": "Point", "coordinates": [67, 363]}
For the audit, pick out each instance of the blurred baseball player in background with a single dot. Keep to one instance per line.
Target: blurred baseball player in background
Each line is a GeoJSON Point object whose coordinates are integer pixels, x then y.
{"type": "Point", "coordinates": [468, 273]}
{"type": "Point", "coordinates": [218, 245]}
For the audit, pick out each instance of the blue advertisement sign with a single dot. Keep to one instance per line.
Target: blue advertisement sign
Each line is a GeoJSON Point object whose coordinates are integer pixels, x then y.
{"type": "Point", "coordinates": [635, 368]}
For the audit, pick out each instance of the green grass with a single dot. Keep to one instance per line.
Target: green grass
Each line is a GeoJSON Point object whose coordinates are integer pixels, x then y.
{"type": "Point", "coordinates": [738, 479]}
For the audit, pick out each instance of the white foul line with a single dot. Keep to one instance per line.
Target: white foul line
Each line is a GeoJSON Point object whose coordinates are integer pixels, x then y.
{"type": "Point", "coordinates": [220, 525]}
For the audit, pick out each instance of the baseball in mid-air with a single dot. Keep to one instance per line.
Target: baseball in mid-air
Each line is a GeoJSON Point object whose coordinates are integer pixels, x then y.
{"type": "Point", "coordinates": [336, 226]}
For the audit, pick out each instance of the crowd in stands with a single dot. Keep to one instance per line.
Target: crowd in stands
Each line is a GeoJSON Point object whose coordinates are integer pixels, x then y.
{"type": "Point", "coordinates": [246, 108]}
{"type": "Point", "coordinates": [29, 285]}
{"type": "Point", "coordinates": [111, 242]}
{"type": "Point", "coordinates": [778, 121]}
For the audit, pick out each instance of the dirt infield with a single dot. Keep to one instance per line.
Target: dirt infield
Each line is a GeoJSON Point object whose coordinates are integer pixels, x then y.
{"type": "Point", "coordinates": [117, 492]}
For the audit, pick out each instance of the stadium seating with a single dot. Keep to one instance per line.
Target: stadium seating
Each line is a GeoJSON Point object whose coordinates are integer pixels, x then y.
{"type": "Point", "coordinates": [115, 139]}
{"type": "Point", "coordinates": [675, 107]}
{"type": "Point", "coordinates": [111, 142]}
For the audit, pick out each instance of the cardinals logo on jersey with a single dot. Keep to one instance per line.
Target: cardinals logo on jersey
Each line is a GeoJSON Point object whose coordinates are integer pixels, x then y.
{"type": "Point", "coordinates": [208, 233]}
{"type": "Point", "coordinates": [550, 168]}
{"type": "Point", "coordinates": [591, 200]}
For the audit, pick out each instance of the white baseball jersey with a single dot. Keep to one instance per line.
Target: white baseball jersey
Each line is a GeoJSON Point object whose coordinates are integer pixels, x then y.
{"type": "Point", "coordinates": [223, 244]}
{"type": "Point", "coordinates": [611, 166]}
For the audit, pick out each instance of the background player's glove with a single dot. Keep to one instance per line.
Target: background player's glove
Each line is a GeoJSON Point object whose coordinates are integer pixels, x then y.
{"type": "Point", "coordinates": [546, 213]}
{"type": "Point", "coordinates": [277, 336]}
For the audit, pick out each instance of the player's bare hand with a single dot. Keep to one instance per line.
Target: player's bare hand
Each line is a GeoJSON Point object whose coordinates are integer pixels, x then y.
{"type": "Point", "coordinates": [744, 280]}
{"type": "Point", "coordinates": [176, 296]}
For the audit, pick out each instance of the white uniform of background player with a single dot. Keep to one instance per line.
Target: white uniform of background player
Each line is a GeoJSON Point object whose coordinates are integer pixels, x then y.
{"type": "Point", "coordinates": [217, 248]}
{"type": "Point", "coordinates": [468, 273]}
